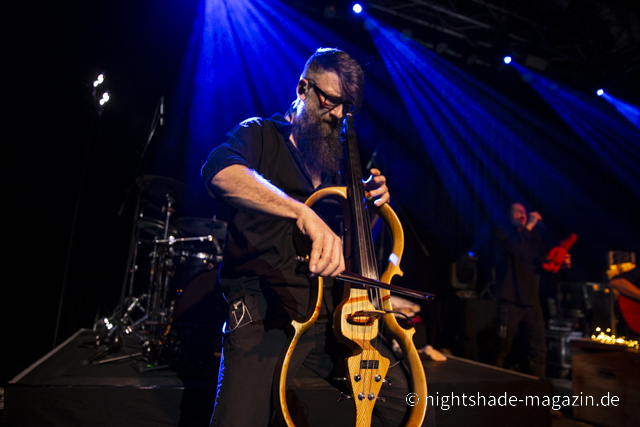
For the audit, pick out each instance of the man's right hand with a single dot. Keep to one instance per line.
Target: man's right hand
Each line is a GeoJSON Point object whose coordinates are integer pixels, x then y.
{"type": "Point", "coordinates": [326, 258]}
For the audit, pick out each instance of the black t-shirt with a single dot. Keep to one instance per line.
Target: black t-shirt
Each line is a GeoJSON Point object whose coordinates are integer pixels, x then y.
{"type": "Point", "coordinates": [259, 255]}
{"type": "Point", "coordinates": [519, 258]}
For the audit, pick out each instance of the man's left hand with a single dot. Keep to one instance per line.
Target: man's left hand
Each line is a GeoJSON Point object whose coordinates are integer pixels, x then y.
{"type": "Point", "coordinates": [376, 186]}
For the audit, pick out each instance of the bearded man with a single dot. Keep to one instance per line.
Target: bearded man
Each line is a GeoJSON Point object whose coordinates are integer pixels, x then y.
{"type": "Point", "coordinates": [265, 171]}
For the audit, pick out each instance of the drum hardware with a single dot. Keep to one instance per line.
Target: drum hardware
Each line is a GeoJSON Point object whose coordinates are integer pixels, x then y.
{"type": "Point", "coordinates": [172, 240]}
{"type": "Point", "coordinates": [153, 185]}
{"type": "Point", "coordinates": [110, 330]}
{"type": "Point", "coordinates": [155, 227]}
{"type": "Point", "coordinates": [148, 316]}
{"type": "Point", "coordinates": [167, 255]}
{"type": "Point", "coordinates": [105, 327]}
{"type": "Point", "coordinates": [169, 259]}
{"type": "Point", "coordinates": [202, 226]}
{"type": "Point", "coordinates": [117, 359]}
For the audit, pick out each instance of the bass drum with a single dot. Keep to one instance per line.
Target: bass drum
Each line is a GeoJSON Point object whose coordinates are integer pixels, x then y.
{"type": "Point", "coordinates": [199, 313]}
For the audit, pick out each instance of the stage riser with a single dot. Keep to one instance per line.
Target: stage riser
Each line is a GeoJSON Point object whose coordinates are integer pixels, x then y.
{"type": "Point", "coordinates": [60, 391]}
{"type": "Point", "coordinates": [128, 406]}
{"type": "Point", "coordinates": [324, 409]}
{"type": "Point", "coordinates": [91, 406]}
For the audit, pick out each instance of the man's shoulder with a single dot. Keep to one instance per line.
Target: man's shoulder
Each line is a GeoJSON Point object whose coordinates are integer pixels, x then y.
{"type": "Point", "coordinates": [261, 124]}
{"type": "Point", "coordinates": [258, 121]}
{"type": "Point", "coordinates": [252, 129]}
{"type": "Point", "coordinates": [252, 125]}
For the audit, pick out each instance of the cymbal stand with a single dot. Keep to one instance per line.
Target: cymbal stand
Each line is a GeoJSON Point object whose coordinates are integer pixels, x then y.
{"type": "Point", "coordinates": [152, 305]}
{"type": "Point", "coordinates": [115, 325]}
{"type": "Point", "coordinates": [160, 273]}
{"type": "Point", "coordinates": [158, 313]}
{"type": "Point", "coordinates": [111, 339]}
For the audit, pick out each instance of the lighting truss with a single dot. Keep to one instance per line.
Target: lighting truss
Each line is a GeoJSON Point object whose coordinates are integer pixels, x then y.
{"type": "Point", "coordinates": [485, 25]}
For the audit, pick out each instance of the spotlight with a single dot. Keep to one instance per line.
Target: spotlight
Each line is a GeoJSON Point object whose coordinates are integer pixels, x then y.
{"type": "Point", "coordinates": [98, 80]}
{"type": "Point", "coordinates": [357, 8]}
{"type": "Point", "coordinates": [105, 98]}
{"type": "Point", "coordinates": [99, 87]}
{"type": "Point", "coordinates": [599, 92]}
{"type": "Point", "coordinates": [507, 60]}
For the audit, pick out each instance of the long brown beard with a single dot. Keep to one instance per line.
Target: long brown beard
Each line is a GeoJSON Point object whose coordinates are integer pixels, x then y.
{"type": "Point", "coordinates": [319, 142]}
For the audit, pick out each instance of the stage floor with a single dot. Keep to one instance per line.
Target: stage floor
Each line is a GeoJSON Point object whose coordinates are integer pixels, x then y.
{"type": "Point", "coordinates": [59, 391]}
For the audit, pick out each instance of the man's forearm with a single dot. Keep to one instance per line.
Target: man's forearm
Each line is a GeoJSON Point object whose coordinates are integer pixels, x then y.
{"type": "Point", "coordinates": [246, 189]}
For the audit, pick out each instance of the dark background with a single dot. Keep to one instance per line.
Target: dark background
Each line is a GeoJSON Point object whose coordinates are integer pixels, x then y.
{"type": "Point", "coordinates": [70, 172]}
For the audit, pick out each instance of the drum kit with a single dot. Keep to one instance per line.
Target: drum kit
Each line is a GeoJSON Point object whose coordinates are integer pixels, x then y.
{"type": "Point", "coordinates": [171, 281]}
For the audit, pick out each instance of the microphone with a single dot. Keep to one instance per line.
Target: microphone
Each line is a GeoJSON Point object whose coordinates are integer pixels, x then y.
{"type": "Point", "coordinates": [162, 110]}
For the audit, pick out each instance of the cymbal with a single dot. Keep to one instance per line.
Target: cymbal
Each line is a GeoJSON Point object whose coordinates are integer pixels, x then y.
{"type": "Point", "coordinates": [162, 185]}
{"type": "Point", "coordinates": [155, 227]}
{"type": "Point", "coordinates": [202, 226]}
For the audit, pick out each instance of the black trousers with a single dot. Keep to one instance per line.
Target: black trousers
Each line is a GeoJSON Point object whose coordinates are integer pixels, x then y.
{"type": "Point", "coordinates": [531, 323]}
{"type": "Point", "coordinates": [251, 350]}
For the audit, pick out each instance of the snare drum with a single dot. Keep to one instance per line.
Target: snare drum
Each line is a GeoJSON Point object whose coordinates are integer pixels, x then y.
{"type": "Point", "coordinates": [191, 262]}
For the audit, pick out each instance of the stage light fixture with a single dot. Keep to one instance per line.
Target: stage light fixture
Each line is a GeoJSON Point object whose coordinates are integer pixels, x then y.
{"type": "Point", "coordinates": [98, 80]}
{"type": "Point", "coordinates": [357, 8]}
{"type": "Point", "coordinates": [105, 98]}
{"type": "Point", "coordinates": [599, 92]}
{"type": "Point", "coordinates": [507, 60]}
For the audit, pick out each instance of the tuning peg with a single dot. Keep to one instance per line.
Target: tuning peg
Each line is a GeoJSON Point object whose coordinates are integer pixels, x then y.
{"type": "Point", "coordinates": [344, 379]}
{"type": "Point", "coordinates": [386, 381]}
{"type": "Point", "coordinates": [344, 396]}
{"type": "Point", "coordinates": [381, 399]}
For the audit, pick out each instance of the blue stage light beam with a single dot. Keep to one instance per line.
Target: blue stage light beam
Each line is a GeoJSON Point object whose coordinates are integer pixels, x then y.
{"type": "Point", "coordinates": [610, 136]}
{"type": "Point", "coordinates": [243, 59]}
{"type": "Point", "coordinates": [631, 112]}
{"type": "Point", "coordinates": [507, 59]}
{"type": "Point", "coordinates": [485, 148]}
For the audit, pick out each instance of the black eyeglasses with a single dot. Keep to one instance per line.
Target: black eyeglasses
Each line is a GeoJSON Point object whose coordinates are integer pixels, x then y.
{"type": "Point", "coordinates": [330, 102]}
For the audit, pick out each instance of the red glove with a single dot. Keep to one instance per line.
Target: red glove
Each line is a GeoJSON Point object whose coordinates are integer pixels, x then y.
{"type": "Point", "coordinates": [556, 255]}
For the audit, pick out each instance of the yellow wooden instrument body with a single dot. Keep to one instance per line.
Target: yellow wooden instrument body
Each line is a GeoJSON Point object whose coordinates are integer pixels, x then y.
{"type": "Point", "coordinates": [362, 350]}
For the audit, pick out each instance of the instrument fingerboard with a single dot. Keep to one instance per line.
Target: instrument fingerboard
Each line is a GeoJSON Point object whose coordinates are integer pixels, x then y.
{"type": "Point", "coordinates": [362, 253]}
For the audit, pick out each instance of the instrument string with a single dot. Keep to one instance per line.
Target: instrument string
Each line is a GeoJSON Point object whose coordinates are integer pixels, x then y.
{"type": "Point", "coordinates": [365, 261]}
